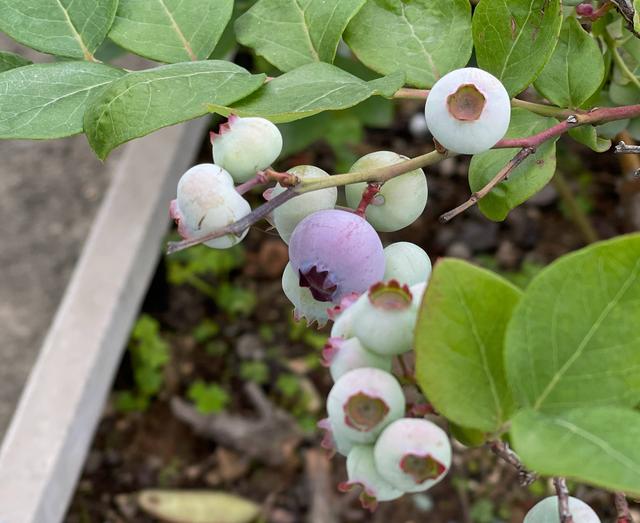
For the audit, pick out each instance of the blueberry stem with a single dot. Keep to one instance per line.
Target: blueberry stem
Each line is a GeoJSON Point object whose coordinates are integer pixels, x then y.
{"type": "Point", "coordinates": [622, 508]}
{"type": "Point", "coordinates": [503, 451]}
{"type": "Point", "coordinates": [563, 500]}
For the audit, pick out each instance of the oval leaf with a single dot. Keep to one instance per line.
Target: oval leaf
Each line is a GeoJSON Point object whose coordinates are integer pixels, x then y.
{"type": "Point", "coordinates": [142, 102]}
{"type": "Point", "coordinates": [587, 135]}
{"type": "Point", "coordinates": [597, 445]}
{"type": "Point", "coordinates": [11, 61]}
{"type": "Point", "coordinates": [526, 179]}
{"type": "Point", "coordinates": [573, 339]}
{"type": "Point", "coordinates": [197, 506]}
{"type": "Point", "coordinates": [171, 30]}
{"type": "Point", "coordinates": [291, 33]}
{"type": "Point", "coordinates": [515, 39]}
{"type": "Point", "coordinates": [61, 27]}
{"type": "Point", "coordinates": [423, 38]}
{"type": "Point", "coordinates": [44, 101]}
{"type": "Point", "coordinates": [576, 68]}
{"type": "Point", "coordinates": [309, 90]}
{"type": "Point", "coordinates": [459, 344]}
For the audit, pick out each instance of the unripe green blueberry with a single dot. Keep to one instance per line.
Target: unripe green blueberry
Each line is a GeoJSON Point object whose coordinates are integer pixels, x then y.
{"type": "Point", "coordinates": [245, 146]}
{"type": "Point", "coordinates": [361, 471]}
{"type": "Point", "coordinates": [406, 263]}
{"type": "Point", "coordinates": [468, 111]}
{"type": "Point", "coordinates": [363, 401]}
{"type": "Point", "coordinates": [305, 305]}
{"type": "Point", "coordinates": [385, 318]}
{"type": "Point", "coordinates": [288, 215]}
{"type": "Point", "coordinates": [333, 440]}
{"type": "Point", "coordinates": [417, 291]}
{"type": "Point", "coordinates": [342, 355]}
{"type": "Point", "coordinates": [546, 511]}
{"type": "Point", "coordinates": [207, 201]}
{"type": "Point", "coordinates": [412, 454]}
{"type": "Point", "coordinates": [343, 323]}
{"type": "Point", "coordinates": [400, 201]}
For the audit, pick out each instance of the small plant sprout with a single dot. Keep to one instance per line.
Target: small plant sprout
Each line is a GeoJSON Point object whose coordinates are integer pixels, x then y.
{"type": "Point", "coordinates": [546, 511]}
{"type": "Point", "coordinates": [400, 201]}
{"type": "Point", "coordinates": [468, 111]}
{"type": "Point", "coordinates": [342, 355]}
{"type": "Point", "coordinates": [407, 263]}
{"type": "Point", "coordinates": [385, 318]}
{"type": "Point", "coordinates": [412, 454]}
{"type": "Point", "coordinates": [363, 401]}
{"type": "Point", "coordinates": [333, 440]}
{"type": "Point", "coordinates": [361, 471]}
{"type": "Point", "coordinates": [335, 254]}
{"type": "Point", "coordinates": [244, 146]}
{"type": "Point", "coordinates": [206, 201]}
{"type": "Point", "coordinates": [305, 305]}
{"type": "Point", "coordinates": [288, 215]}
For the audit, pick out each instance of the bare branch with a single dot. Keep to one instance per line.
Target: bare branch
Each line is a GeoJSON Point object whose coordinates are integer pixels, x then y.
{"type": "Point", "coordinates": [504, 452]}
{"type": "Point", "coordinates": [563, 500]}
{"type": "Point", "coordinates": [622, 508]}
{"type": "Point", "coordinates": [623, 148]}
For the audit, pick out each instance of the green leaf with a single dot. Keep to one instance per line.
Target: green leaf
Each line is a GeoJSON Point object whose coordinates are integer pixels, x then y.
{"type": "Point", "coordinates": [309, 90]}
{"type": "Point", "coordinates": [197, 506]}
{"type": "Point", "coordinates": [526, 179]}
{"type": "Point", "coordinates": [459, 344]}
{"type": "Point", "coordinates": [573, 340]}
{"type": "Point", "coordinates": [142, 102]}
{"type": "Point", "coordinates": [514, 39]}
{"type": "Point", "coordinates": [291, 33]}
{"type": "Point", "coordinates": [171, 30]}
{"type": "Point", "coordinates": [576, 68]}
{"type": "Point", "coordinates": [62, 27]}
{"type": "Point", "coordinates": [423, 38]}
{"type": "Point", "coordinates": [11, 61]}
{"type": "Point", "coordinates": [587, 135]}
{"type": "Point", "coordinates": [44, 101]}
{"type": "Point", "coordinates": [209, 399]}
{"type": "Point", "coordinates": [636, 16]}
{"type": "Point", "coordinates": [596, 445]}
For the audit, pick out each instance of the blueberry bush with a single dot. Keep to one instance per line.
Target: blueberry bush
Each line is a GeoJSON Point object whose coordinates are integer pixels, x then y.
{"type": "Point", "coordinates": [551, 371]}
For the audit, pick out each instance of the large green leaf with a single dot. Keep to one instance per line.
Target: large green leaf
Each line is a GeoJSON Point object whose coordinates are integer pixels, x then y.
{"type": "Point", "coordinates": [44, 101]}
{"type": "Point", "coordinates": [597, 445]}
{"type": "Point", "coordinates": [573, 339]}
{"type": "Point", "coordinates": [526, 179]}
{"type": "Point", "coordinates": [291, 33]}
{"type": "Point", "coordinates": [459, 344]}
{"type": "Point", "coordinates": [309, 90]}
{"type": "Point", "coordinates": [171, 30]}
{"type": "Point", "coordinates": [142, 102]}
{"type": "Point", "coordinates": [71, 28]}
{"type": "Point", "coordinates": [576, 68]}
{"type": "Point", "coordinates": [423, 38]}
{"type": "Point", "coordinates": [515, 38]}
{"type": "Point", "coordinates": [11, 61]}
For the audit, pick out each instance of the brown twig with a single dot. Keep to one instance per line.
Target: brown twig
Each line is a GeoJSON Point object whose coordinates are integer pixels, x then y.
{"type": "Point", "coordinates": [504, 452]}
{"type": "Point", "coordinates": [320, 487]}
{"type": "Point", "coordinates": [622, 508]}
{"type": "Point", "coordinates": [268, 175]}
{"type": "Point", "coordinates": [563, 500]}
{"type": "Point", "coordinates": [623, 148]}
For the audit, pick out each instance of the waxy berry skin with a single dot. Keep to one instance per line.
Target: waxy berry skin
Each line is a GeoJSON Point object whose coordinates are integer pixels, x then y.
{"type": "Point", "coordinates": [207, 201]}
{"type": "Point", "coordinates": [363, 401]}
{"type": "Point", "coordinates": [468, 111]}
{"type": "Point", "coordinates": [245, 146]}
{"type": "Point", "coordinates": [412, 454]}
{"type": "Point", "coordinates": [546, 511]}
{"type": "Point", "coordinates": [406, 263]}
{"type": "Point", "coordinates": [287, 216]}
{"type": "Point", "coordinates": [400, 201]}
{"type": "Point", "coordinates": [305, 305]}
{"type": "Point", "coordinates": [336, 253]}
{"type": "Point", "coordinates": [342, 355]}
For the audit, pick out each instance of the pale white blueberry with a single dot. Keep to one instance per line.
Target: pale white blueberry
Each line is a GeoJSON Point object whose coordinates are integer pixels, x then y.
{"type": "Point", "coordinates": [333, 439]}
{"type": "Point", "coordinates": [305, 305]}
{"type": "Point", "coordinates": [336, 253]}
{"type": "Point", "coordinates": [406, 263]}
{"type": "Point", "coordinates": [401, 200]}
{"type": "Point", "coordinates": [417, 291]}
{"type": "Point", "coordinates": [385, 318]}
{"type": "Point", "coordinates": [546, 511]}
{"type": "Point", "coordinates": [363, 401]}
{"type": "Point", "coordinates": [412, 454]}
{"type": "Point", "coordinates": [207, 201]}
{"type": "Point", "coordinates": [361, 471]}
{"type": "Point", "coordinates": [244, 146]}
{"type": "Point", "coordinates": [288, 215]}
{"type": "Point", "coordinates": [342, 355]}
{"type": "Point", "coordinates": [468, 111]}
